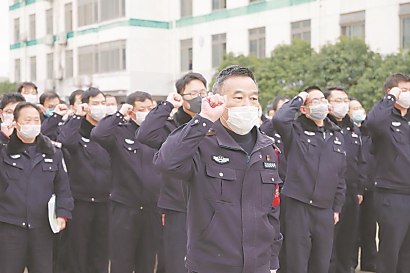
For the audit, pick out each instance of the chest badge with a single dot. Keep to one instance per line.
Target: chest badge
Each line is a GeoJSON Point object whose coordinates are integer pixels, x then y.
{"type": "Point", "coordinates": [268, 157]}
{"type": "Point", "coordinates": [48, 160]}
{"type": "Point", "coordinates": [355, 135]}
{"type": "Point", "coordinates": [277, 135]}
{"type": "Point", "coordinates": [15, 156]}
{"type": "Point", "coordinates": [220, 159]}
{"type": "Point", "coordinates": [269, 165]}
{"type": "Point", "coordinates": [129, 141]}
{"type": "Point", "coordinates": [396, 123]}
{"type": "Point", "coordinates": [337, 141]}
{"type": "Point", "coordinates": [308, 133]}
{"type": "Point", "coordinates": [85, 139]}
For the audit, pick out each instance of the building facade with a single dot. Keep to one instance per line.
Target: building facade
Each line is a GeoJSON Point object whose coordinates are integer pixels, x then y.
{"type": "Point", "coordinates": [122, 46]}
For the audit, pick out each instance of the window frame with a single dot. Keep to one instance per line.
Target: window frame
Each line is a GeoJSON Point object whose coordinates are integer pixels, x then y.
{"type": "Point", "coordinates": [353, 19]}
{"type": "Point", "coordinates": [33, 74]}
{"type": "Point", "coordinates": [221, 5]}
{"type": "Point", "coordinates": [187, 44]}
{"type": "Point", "coordinates": [301, 30]}
{"type": "Point", "coordinates": [220, 41]}
{"type": "Point", "coordinates": [258, 36]}
{"type": "Point", "coordinates": [32, 27]}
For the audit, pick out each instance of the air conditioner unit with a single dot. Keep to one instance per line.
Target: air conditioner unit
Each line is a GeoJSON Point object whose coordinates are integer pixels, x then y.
{"type": "Point", "coordinates": [49, 85]}
{"type": "Point", "coordinates": [23, 37]}
{"type": "Point", "coordinates": [78, 82]}
{"type": "Point", "coordinates": [49, 39]}
{"type": "Point", "coordinates": [62, 39]}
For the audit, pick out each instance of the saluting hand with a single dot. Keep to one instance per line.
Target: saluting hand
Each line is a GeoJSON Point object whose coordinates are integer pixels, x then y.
{"type": "Point", "coordinates": [395, 91]}
{"type": "Point", "coordinates": [7, 127]}
{"type": "Point", "coordinates": [126, 110]}
{"type": "Point", "coordinates": [213, 107]}
{"type": "Point", "coordinates": [82, 109]}
{"type": "Point", "coordinates": [175, 99]}
{"type": "Point", "coordinates": [61, 109]}
{"type": "Point", "coordinates": [61, 222]}
{"type": "Point", "coordinates": [304, 96]}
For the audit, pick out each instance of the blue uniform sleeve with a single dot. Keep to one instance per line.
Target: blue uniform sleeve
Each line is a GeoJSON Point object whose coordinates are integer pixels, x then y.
{"type": "Point", "coordinates": [153, 131]}
{"type": "Point", "coordinates": [49, 127]}
{"type": "Point", "coordinates": [267, 127]}
{"type": "Point", "coordinates": [362, 166]}
{"type": "Point", "coordinates": [340, 195]}
{"type": "Point", "coordinates": [273, 217]}
{"type": "Point", "coordinates": [379, 116]}
{"type": "Point", "coordinates": [64, 199]}
{"type": "Point", "coordinates": [69, 133]}
{"type": "Point", "coordinates": [179, 155]}
{"type": "Point", "coordinates": [104, 133]}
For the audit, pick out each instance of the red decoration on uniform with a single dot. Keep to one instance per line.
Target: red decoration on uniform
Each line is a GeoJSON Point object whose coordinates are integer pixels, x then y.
{"type": "Point", "coordinates": [276, 199]}
{"type": "Point", "coordinates": [268, 157]}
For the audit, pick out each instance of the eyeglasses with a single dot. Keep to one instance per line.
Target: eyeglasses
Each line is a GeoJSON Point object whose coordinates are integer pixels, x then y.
{"type": "Point", "coordinates": [319, 101]}
{"type": "Point", "coordinates": [340, 100]}
{"type": "Point", "coordinates": [194, 94]}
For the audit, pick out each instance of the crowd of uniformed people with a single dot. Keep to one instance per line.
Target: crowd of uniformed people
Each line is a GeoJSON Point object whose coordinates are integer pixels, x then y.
{"type": "Point", "coordinates": [204, 182]}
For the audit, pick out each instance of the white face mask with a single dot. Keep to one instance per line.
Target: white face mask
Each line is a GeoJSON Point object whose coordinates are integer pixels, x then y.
{"type": "Point", "coordinates": [318, 112]}
{"type": "Point", "coordinates": [404, 100]}
{"type": "Point", "coordinates": [140, 117]}
{"type": "Point", "coordinates": [98, 112]}
{"type": "Point", "coordinates": [340, 110]}
{"type": "Point", "coordinates": [31, 98]}
{"type": "Point", "coordinates": [111, 109]}
{"type": "Point", "coordinates": [29, 131]}
{"type": "Point", "coordinates": [242, 119]}
{"type": "Point", "coordinates": [7, 117]}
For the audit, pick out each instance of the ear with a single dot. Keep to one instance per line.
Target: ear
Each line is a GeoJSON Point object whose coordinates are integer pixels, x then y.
{"type": "Point", "coordinates": [388, 91]}
{"type": "Point", "coordinates": [303, 109]}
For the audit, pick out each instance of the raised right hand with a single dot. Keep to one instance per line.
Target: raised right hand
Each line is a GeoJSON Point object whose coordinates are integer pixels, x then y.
{"type": "Point", "coordinates": [175, 99]}
{"type": "Point", "coordinates": [7, 127]}
{"type": "Point", "coordinates": [213, 107]}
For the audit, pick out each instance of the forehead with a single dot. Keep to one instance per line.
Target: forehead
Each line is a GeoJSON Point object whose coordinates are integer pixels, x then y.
{"type": "Point", "coordinates": [355, 103]}
{"type": "Point", "coordinates": [404, 85]}
{"type": "Point", "coordinates": [315, 94]}
{"type": "Point", "coordinates": [338, 94]}
{"type": "Point", "coordinates": [29, 112]}
{"type": "Point", "coordinates": [194, 85]}
{"type": "Point", "coordinates": [27, 89]}
{"type": "Point", "coordinates": [144, 103]}
{"type": "Point", "coordinates": [11, 105]}
{"type": "Point", "coordinates": [111, 99]}
{"type": "Point", "coordinates": [239, 83]}
{"type": "Point", "coordinates": [53, 100]}
{"type": "Point", "coordinates": [99, 97]}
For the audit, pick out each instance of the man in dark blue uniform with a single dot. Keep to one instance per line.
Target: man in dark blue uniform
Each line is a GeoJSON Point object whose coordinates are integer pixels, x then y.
{"type": "Point", "coordinates": [315, 185]}
{"type": "Point", "coordinates": [33, 170]}
{"type": "Point", "coordinates": [7, 106]}
{"type": "Point", "coordinates": [388, 124]}
{"type": "Point", "coordinates": [344, 242]}
{"type": "Point", "coordinates": [90, 180]}
{"type": "Point", "coordinates": [190, 89]}
{"type": "Point", "coordinates": [135, 219]}
{"type": "Point", "coordinates": [230, 169]}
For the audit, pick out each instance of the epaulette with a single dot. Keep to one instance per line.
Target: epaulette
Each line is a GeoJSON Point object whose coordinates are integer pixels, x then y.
{"type": "Point", "coordinates": [57, 144]}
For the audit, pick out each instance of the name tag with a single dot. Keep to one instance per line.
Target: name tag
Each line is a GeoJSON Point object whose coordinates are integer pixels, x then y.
{"type": "Point", "coordinates": [269, 165]}
{"type": "Point", "coordinates": [396, 124]}
{"type": "Point", "coordinates": [355, 135]}
{"type": "Point", "coordinates": [48, 160]}
{"type": "Point", "coordinates": [309, 133]}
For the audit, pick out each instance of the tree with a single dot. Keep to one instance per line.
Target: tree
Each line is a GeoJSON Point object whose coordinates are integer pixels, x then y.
{"type": "Point", "coordinates": [7, 86]}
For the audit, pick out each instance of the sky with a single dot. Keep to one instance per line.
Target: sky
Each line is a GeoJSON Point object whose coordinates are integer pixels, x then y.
{"type": "Point", "coordinates": [4, 39]}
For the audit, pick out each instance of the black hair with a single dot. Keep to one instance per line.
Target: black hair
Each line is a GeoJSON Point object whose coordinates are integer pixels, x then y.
{"type": "Point", "coordinates": [230, 71]}
{"type": "Point", "coordinates": [187, 78]}
{"type": "Point", "coordinates": [328, 90]}
{"type": "Point", "coordinates": [90, 93]}
{"type": "Point", "coordinates": [74, 94]}
{"type": "Point", "coordinates": [276, 102]}
{"type": "Point", "coordinates": [11, 98]}
{"type": "Point", "coordinates": [26, 84]}
{"type": "Point", "coordinates": [312, 88]}
{"type": "Point", "coordinates": [137, 96]}
{"type": "Point", "coordinates": [353, 99]}
{"type": "Point", "coordinates": [394, 80]}
{"type": "Point", "coordinates": [49, 95]}
{"type": "Point", "coordinates": [23, 105]}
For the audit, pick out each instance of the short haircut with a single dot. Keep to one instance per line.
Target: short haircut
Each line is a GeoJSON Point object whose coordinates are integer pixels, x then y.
{"type": "Point", "coordinates": [109, 96]}
{"type": "Point", "coordinates": [231, 71]}
{"type": "Point", "coordinates": [11, 98]}
{"type": "Point", "coordinates": [353, 99]}
{"type": "Point", "coordinates": [26, 84]}
{"type": "Point", "coordinates": [90, 93]}
{"type": "Point", "coordinates": [394, 80]}
{"type": "Point", "coordinates": [328, 90]}
{"type": "Point", "coordinates": [74, 94]}
{"type": "Point", "coordinates": [23, 105]}
{"type": "Point", "coordinates": [187, 78]}
{"type": "Point", "coordinates": [138, 96]}
{"type": "Point", "coordinates": [312, 88]}
{"type": "Point", "coordinates": [48, 95]}
{"type": "Point", "coordinates": [276, 102]}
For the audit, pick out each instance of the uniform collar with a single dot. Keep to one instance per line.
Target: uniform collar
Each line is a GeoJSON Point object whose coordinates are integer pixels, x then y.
{"type": "Point", "coordinates": [397, 112]}
{"type": "Point", "coordinates": [43, 145]}
{"type": "Point", "coordinates": [86, 127]}
{"type": "Point", "coordinates": [132, 126]}
{"type": "Point", "coordinates": [310, 125]}
{"type": "Point", "coordinates": [225, 139]}
{"type": "Point", "coordinates": [180, 117]}
{"type": "Point", "coordinates": [346, 121]}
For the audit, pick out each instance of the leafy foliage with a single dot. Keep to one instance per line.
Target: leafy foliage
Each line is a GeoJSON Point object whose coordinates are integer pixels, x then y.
{"type": "Point", "coordinates": [7, 86]}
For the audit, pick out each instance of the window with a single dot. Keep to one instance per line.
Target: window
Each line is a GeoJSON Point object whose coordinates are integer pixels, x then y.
{"type": "Point", "coordinates": [94, 11]}
{"type": "Point", "coordinates": [301, 30]}
{"type": "Point", "coordinates": [218, 49]}
{"type": "Point", "coordinates": [257, 42]}
{"type": "Point", "coordinates": [87, 57]}
{"type": "Point", "coordinates": [32, 27]}
{"type": "Point", "coordinates": [16, 30]}
{"type": "Point", "coordinates": [218, 4]}
{"type": "Point", "coordinates": [17, 71]}
{"type": "Point", "coordinates": [69, 64]}
{"type": "Point", "coordinates": [186, 55]}
{"type": "Point", "coordinates": [33, 68]}
{"type": "Point", "coordinates": [111, 9]}
{"type": "Point", "coordinates": [68, 10]}
{"type": "Point", "coordinates": [186, 8]}
{"type": "Point", "coordinates": [49, 21]}
{"type": "Point", "coordinates": [352, 24]}
{"type": "Point", "coordinates": [112, 56]}
{"type": "Point", "coordinates": [405, 25]}
{"type": "Point", "coordinates": [50, 66]}
{"type": "Point", "coordinates": [87, 12]}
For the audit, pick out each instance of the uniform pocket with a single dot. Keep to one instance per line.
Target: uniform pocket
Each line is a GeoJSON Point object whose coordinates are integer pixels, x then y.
{"type": "Point", "coordinates": [269, 180]}
{"type": "Point", "coordinates": [208, 231]}
{"type": "Point", "coordinates": [221, 183]}
{"type": "Point", "coordinates": [398, 134]}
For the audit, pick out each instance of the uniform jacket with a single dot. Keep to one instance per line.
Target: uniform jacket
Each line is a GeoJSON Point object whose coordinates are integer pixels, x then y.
{"type": "Point", "coordinates": [267, 128]}
{"type": "Point", "coordinates": [316, 160]}
{"type": "Point", "coordinates": [390, 133]}
{"type": "Point", "coordinates": [136, 183]}
{"type": "Point", "coordinates": [32, 182]}
{"type": "Point", "coordinates": [90, 166]}
{"type": "Point", "coordinates": [153, 132]}
{"type": "Point", "coordinates": [368, 151]}
{"type": "Point", "coordinates": [232, 226]}
{"type": "Point", "coordinates": [355, 175]}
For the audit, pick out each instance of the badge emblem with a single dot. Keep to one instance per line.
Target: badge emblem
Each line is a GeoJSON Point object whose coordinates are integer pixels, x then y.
{"type": "Point", "coordinates": [355, 135]}
{"type": "Point", "coordinates": [309, 133]}
{"type": "Point", "coordinates": [337, 141]}
{"type": "Point", "coordinates": [277, 135]}
{"type": "Point", "coordinates": [396, 124]}
{"type": "Point", "coordinates": [85, 139]}
{"type": "Point", "coordinates": [129, 141]}
{"type": "Point", "coordinates": [268, 157]}
{"type": "Point", "coordinates": [15, 156]}
{"type": "Point", "coordinates": [220, 159]}
{"type": "Point", "coordinates": [48, 160]}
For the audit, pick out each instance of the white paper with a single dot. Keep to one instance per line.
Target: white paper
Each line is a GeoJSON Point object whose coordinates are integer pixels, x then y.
{"type": "Point", "coordinates": [52, 217]}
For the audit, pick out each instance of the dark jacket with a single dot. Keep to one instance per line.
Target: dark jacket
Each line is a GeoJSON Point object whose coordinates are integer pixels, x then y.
{"type": "Point", "coordinates": [232, 226]}
{"type": "Point", "coordinates": [51, 126]}
{"type": "Point", "coordinates": [267, 128]}
{"type": "Point", "coordinates": [316, 160]}
{"type": "Point", "coordinates": [368, 151]}
{"type": "Point", "coordinates": [390, 133]}
{"type": "Point", "coordinates": [153, 132]}
{"type": "Point", "coordinates": [32, 181]}
{"type": "Point", "coordinates": [90, 165]}
{"type": "Point", "coordinates": [355, 175]}
{"type": "Point", "coordinates": [136, 183]}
